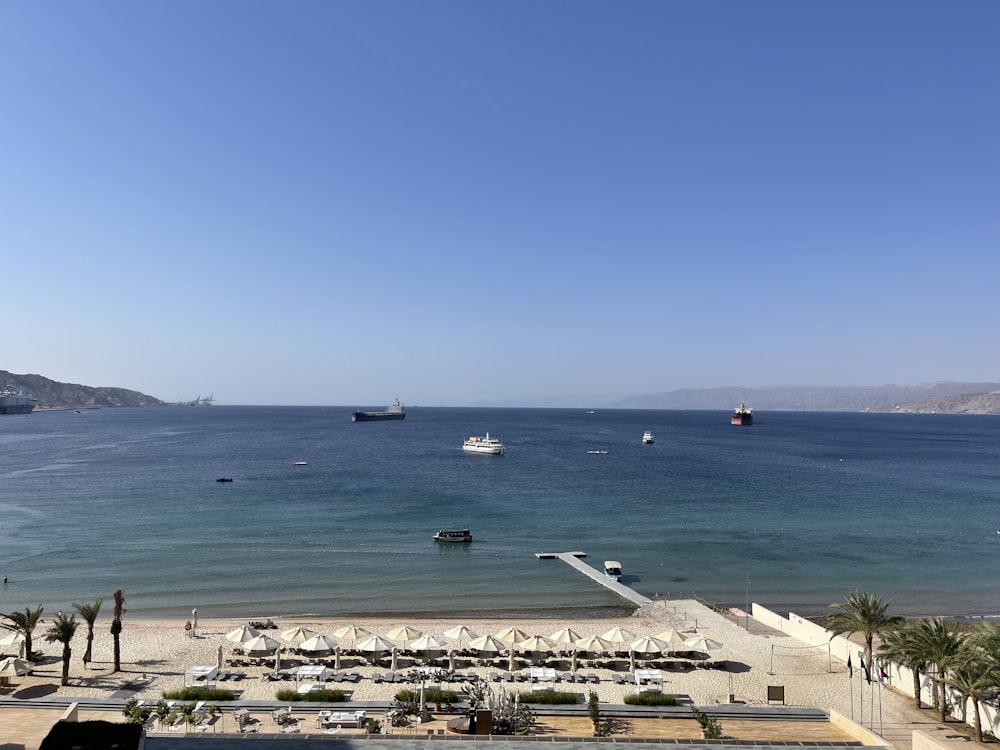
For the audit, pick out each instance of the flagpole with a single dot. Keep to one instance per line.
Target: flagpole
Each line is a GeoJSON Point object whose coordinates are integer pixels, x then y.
{"type": "Point", "coordinates": [850, 681]}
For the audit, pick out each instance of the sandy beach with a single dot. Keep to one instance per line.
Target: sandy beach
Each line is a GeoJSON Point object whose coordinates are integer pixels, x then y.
{"type": "Point", "coordinates": [156, 655]}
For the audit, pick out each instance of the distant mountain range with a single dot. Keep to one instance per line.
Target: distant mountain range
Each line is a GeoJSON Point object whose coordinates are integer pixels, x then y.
{"type": "Point", "coordinates": [52, 394]}
{"type": "Point", "coordinates": [946, 397]}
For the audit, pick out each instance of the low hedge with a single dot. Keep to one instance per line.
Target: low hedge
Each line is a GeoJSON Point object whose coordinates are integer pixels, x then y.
{"type": "Point", "coordinates": [651, 699]}
{"type": "Point", "coordinates": [430, 695]}
{"type": "Point", "coordinates": [314, 696]}
{"type": "Point", "coordinates": [551, 698]}
{"type": "Point", "coordinates": [200, 694]}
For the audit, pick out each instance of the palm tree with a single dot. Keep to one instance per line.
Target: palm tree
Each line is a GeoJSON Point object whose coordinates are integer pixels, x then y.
{"type": "Point", "coordinates": [973, 675]}
{"type": "Point", "coordinates": [902, 647]}
{"type": "Point", "coordinates": [25, 624]}
{"type": "Point", "coordinates": [939, 645]}
{"type": "Point", "coordinates": [863, 613]}
{"type": "Point", "coordinates": [89, 614]}
{"type": "Point", "coordinates": [116, 627]}
{"type": "Point", "coordinates": [62, 631]}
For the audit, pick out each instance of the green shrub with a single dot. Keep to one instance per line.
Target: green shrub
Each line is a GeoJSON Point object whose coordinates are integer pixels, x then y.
{"type": "Point", "coordinates": [551, 698]}
{"type": "Point", "coordinates": [200, 694]}
{"type": "Point", "coordinates": [651, 699]}
{"type": "Point", "coordinates": [430, 695]}
{"type": "Point", "coordinates": [314, 696]}
{"type": "Point", "coordinates": [710, 726]}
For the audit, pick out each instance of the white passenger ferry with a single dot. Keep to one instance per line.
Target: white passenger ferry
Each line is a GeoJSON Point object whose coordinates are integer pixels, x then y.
{"type": "Point", "coordinates": [476, 444]}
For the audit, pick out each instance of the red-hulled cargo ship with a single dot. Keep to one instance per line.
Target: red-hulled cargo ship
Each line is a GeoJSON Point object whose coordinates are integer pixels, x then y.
{"type": "Point", "coordinates": [742, 415]}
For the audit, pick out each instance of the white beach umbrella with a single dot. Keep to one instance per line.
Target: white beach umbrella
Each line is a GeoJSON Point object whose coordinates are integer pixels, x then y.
{"type": "Point", "coordinates": [618, 634]}
{"type": "Point", "coordinates": [567, 636]}
{"type": "Point", "coordinates": [428, 643]}
{"type": "Point", "coordinates": [376, 643]}
{"type": "Point", "coordinates": [242, 634]}
{"type": "Point", "coordinates": [14, 667]}
{"type": "Point", "coordinates": [404, 633]}
{"type": "Point", "coordinates": [670, 636]}
{"type": "Point", "coordinates": [13, 638]}
{"type": "Point", "coordinates": [460, 633]}
{"type": "Point", "coordinates": [536, 643]}
{"type": "Point", "coordinates": [262, 644]}
{"type": "Point", "coordinates": [336, 658]}
{"type": "Point", "coordinates": [394, 664]}
{"type": "Point", "coordinates": [317, 644]}
{"type": "Point", "coordinates": [487, 644]}
{"type": "Point", "coordinates": [648, 645]}
{"type": "Point", "coordinates": [451, 661]}
{"type": "Point", "coordinates": [631, 660]}
{"type": "Point", "coordinates": [572, 662]}
{"type": "Point", "coordinates": [511, 660]}
{"type": "Point", "coordinates": [594, 644]}
{"type": "Point", "coordinates": [511, 635]}
{"type": "Point", "coordinates": [221, 660]}
{"type": "Point", "coordinates": [297, 635]}
{"type": "Point", "coordinates": [701, 643]}
{"type": "Point", "coordinates": [351, 633]}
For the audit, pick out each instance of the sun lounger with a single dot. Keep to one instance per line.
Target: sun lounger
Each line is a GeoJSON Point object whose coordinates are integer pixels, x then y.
{"type": "Point", "coordinates": [619, 679]}
{"type": "Point", "coordinates": [494, 677]}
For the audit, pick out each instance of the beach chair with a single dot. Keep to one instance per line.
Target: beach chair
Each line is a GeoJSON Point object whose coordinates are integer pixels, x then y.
{"type": "Point", "coordinates": [619, 679]}
{"type": "Point", "coordinates": [494, 677]}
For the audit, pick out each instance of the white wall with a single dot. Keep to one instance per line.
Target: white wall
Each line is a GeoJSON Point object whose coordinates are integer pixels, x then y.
{"type": "Point", "coordinates": [900, 678]}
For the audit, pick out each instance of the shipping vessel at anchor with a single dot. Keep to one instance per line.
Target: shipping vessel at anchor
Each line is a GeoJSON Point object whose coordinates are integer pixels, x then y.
{"type": "Point", "coordinates": [393, 411]}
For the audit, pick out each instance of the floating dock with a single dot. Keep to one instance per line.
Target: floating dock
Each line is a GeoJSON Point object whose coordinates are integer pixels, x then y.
{"type": "Point", "coordinates": [573, 560]}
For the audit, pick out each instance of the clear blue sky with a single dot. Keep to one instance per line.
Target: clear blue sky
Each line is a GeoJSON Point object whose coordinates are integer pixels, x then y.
{"type": "Point", "coordinates": [555, 202]}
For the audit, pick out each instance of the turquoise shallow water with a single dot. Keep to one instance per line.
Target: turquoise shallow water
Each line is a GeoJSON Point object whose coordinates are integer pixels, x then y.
{"type": "Point", "coordinates": [796, 510]}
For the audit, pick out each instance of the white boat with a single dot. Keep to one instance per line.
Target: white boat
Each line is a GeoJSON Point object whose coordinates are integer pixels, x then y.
{"type": "Point", "coordinates": [613, 569]}
{"type": "Point", "coordinates": [453, 535]}
{"type": "Point", "coordinates": [476, 444]}
{"type": "Point", "coordinates": [647, 437]}
{"type": "Point", "coordinates": [598, 453]}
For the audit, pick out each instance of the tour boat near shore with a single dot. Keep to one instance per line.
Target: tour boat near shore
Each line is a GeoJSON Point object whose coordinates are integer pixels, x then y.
{"type": "Point", "coordinates": [476, 444]}
{"type": "Point", "coordinates": [453, 535]}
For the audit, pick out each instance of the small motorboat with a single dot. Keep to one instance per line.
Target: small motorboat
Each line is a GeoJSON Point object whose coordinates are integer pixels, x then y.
{"type": "Point", "coordinates": [301, 463]}
{"type": "Point", "coordinates": [224, 479]}
{"type": "Point", "coordinates": [613, 569]}
{"type": "Point", "coordinates": [598, 453]}
{"type": "Point", "coordinates": [647, 437]}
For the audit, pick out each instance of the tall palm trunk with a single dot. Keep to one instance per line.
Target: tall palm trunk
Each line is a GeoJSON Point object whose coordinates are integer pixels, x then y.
{"type": "Point", "coordinates": [916, 686]}
{"type": "Point", "coordinates": [116, 627]}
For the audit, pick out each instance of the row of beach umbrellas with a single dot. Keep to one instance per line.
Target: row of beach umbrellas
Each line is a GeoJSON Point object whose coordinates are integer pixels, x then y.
{"type": "Point", "coordinates": [511, 638]}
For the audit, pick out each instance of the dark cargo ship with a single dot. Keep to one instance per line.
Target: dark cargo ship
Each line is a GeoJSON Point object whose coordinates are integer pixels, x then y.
{"type": "Point", "coordinates": [393, 411]}
{"type": "Point", "coordinates": [15, 402]}
{"type": "Point", "coordinates": [742, 415]}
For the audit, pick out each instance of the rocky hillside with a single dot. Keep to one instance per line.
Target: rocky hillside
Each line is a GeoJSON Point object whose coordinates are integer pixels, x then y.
{"type": "Point", "coordinates": [52, 394]}
{"type": "Point", "coordinates": [809, 398]}
{"type": "Point", "coordinates": [969, 403]}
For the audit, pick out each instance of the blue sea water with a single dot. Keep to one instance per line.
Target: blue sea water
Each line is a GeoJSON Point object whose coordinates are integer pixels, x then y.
{"type": "Point", "coordinates": [793, 512]}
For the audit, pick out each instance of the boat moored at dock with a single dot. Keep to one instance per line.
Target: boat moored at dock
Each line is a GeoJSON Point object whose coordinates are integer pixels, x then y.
{"type": "Point", "coordinates": [613, 569]}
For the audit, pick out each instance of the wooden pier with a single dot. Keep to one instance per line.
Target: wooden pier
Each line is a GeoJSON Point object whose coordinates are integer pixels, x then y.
{"type": "Point", "coordinates": [573, 560]}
